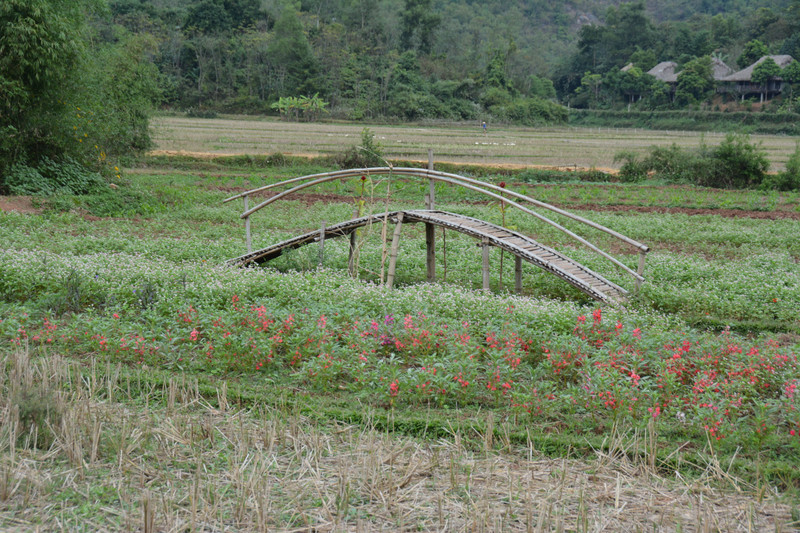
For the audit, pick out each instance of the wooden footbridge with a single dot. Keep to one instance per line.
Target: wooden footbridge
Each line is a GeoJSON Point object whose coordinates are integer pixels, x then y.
{"type": "Point", "coordinates": [523, 247]}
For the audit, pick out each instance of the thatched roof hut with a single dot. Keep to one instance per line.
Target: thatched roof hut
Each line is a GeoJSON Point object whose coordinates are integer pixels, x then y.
{"type": "Point", "coordinates": [747, 73]}
{"type": "Point", "coordinates": [665, 71]}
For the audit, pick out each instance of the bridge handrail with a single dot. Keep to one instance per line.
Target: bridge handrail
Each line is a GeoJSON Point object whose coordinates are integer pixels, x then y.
{"type": "Point", "coordinates": [422, 173]}
{"type": "Point", "coordinates": [317, 179]}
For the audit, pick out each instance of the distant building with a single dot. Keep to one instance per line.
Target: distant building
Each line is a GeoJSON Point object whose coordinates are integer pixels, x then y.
{"type": "Point", "coordinates": [740, 83]}
{"type": "Point", "coordinates": [665, 71]}
{"type": "Point", "coordinates": [719, 69]}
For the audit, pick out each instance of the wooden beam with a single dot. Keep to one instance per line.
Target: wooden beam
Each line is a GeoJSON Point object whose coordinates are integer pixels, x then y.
{"type": "Point", "coordinates": [518, 274]}
{"type": "Point", "coordinates": [394, 249]}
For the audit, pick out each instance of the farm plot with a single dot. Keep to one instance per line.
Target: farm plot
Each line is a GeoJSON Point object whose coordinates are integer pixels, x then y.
{"type": "Point", "coordinates": [510, 145]}
{"type": "Point", "coordinates": [295, 397]}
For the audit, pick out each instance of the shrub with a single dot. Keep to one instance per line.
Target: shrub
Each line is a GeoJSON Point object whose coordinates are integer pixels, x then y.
{"type": "Point", "coordinates": [632, 170]}
{"type": "Point", "coordinates": [739, 164]}
{"type": "Point", "coordinates": [368, 154]}
{"type": "Point", "coordinates": [735, 163]}
{"type": "Point", "coordinates": [789, 180]}
{"type": "Point", "coordinates": [52, 177]}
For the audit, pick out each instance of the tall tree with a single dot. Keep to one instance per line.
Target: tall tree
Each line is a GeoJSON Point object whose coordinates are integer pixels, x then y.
{"type": "Point", "coordinates": [418, 25]}
{"type": "Point", "coordinates": [695, 81]}
{"type": "Point", "coordinates": [753, 51]}
{"type": "Point", "coordinates": [41, 45]}
{"type": "Point", "coordinates": [292, 57]}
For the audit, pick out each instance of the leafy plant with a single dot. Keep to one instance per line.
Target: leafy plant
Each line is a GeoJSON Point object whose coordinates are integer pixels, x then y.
{"type": "Point", "coordinates": [368, 154]}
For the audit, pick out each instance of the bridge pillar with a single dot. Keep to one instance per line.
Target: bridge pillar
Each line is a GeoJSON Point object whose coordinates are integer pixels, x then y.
{"type": "Point", "coordinates": [485, 250]}
{"type": "Point", "coordinates": [518, 274]}
{"type": "Point", "coordinates": [430, 235]}
{"type": "Point", "coordinates": [351, 257]}
{"type": "Point", "coordinates": [247, 227]}
{"type": "Point", "coordinates": [393, 252]}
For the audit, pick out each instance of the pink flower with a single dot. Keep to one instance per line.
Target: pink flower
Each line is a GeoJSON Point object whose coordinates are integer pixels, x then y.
{"type": "Point", "coordinates": [194, 334]}
{"type": "Point", "coordinates": [116, 315]}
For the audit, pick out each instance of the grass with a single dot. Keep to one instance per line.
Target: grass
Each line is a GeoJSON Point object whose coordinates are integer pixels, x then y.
{"type": "Point", "coordinates": [145, 387]}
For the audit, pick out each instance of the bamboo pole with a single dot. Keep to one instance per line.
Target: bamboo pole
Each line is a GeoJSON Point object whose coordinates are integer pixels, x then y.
{"type": "Point", "coordinates": [247, 237]}
{"type": "Point", "coordinates": [322, 244]}
{"type": "Point", "coordinates": [485, 251]}
{"type": "Point", "coordinates": [351, 256]}
{"type": "Point", "coordinates": [430, 229]}
{"type": "Point", "coordinates": [394, 250]}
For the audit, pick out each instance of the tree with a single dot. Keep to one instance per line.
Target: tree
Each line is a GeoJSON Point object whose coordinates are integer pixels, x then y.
{"type": "Point", "coordinates": [292, 57]}
{"type": "Point", "coordinates": [418, 23]}
{"type": "Point", "coordinates": [753, 51]}
{"type": "Point", "coordinates": [765, 71]}
{"type": "Point", "coordinates": [791, 73]}
{"type": "Point", "coordinates": [62, 103]}
{"type": "Point", "coordinates": [695, 81]}
{"type": "Point", "coordinates": [590, 84]}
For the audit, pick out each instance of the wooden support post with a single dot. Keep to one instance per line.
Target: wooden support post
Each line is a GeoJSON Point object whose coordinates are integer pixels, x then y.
{"type": "Point", "coordinates": [431, 203]}
{"type": "Point", "coordinates": [640, 270]}
{"type": "Point", "coordinates": [247, 227]}
{"type": "Point", "coordinates": [518, 274]}
{"type": "Point", "coordinates": [393, 252]}
{"type": "Point", "coordinates": [351, 257]}
{"type": "Point", "coordinates": [322, 244]}
{"type": "Point", "coordinates": [485, 250]}
{"type": "Point", "coordinates": [430, 229]}
{"type": "Point", "coordinates": [430, 247]}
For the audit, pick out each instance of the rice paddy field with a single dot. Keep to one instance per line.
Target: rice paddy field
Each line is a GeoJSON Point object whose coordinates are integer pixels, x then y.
{"type": "Point", "coordinates": [149, 387]}
{"type": "Point", "coordinates": [464, 143]}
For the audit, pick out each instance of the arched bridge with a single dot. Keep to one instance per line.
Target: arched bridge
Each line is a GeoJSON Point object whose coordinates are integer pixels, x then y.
{"type": "Point", "coordinates": [523, 247]}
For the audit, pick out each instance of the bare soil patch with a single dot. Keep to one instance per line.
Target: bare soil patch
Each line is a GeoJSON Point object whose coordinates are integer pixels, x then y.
{"type": "Point", "coordinates": [19, 204]}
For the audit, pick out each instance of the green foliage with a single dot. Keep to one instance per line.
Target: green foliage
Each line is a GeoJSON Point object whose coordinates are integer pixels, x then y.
{"type": "Point", "coordinates": [740, 164]}
{"type": "Point", "coordinates": [530, 111]}
{"type": "Point", "coordinates": [791, 73]}
{"type": "Point", "coordinates": [765, 71]}
{"type": "Point", "coordinates": [695, 81]}
{"type": "Point", "coordinates": [541, 87]}
{"type": "Point", "coordinates": [753, 51]}
{"type": "Point", "coordinates": [294, 106]}
{"type": "Point", "coordinates": [789, 179]}
{"type": "Point", "coordinates": [50, 178]}
{"type": "Point", "coordinates": [418, 24]}
{"type": "Point", "coordinates": [64, 102]}
{"type": "Point", "coordinates": [368, 154]}
{"type": "Point", "coordinates": [632, 169]}
{"type": "Point", "coordinates": [735, 164]}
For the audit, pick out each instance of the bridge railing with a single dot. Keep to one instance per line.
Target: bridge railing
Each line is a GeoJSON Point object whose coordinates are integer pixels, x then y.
{"type": "Point", "coordinates": [488, 189]}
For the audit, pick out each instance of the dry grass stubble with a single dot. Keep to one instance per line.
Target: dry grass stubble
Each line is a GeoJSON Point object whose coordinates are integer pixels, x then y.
{"type": "Point", "coordinates": [167, 460]}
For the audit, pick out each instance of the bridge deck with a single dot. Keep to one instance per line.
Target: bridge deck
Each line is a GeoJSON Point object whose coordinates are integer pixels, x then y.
{"type": "Point", "coordinates": [516, 243]}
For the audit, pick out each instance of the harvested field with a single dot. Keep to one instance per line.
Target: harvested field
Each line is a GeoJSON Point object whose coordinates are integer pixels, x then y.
{"type": "Point", "coordinates": [460, 143]}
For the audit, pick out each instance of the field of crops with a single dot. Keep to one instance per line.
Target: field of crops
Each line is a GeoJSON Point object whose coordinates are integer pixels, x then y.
{"type": "Point", "coordinates": [149, 386]}
{"type": "Point", "coordinates": [549, 147]}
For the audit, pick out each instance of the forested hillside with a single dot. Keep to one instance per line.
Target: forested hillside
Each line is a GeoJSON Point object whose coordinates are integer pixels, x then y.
{"type": "Point", "coordinates": [455, 59]}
